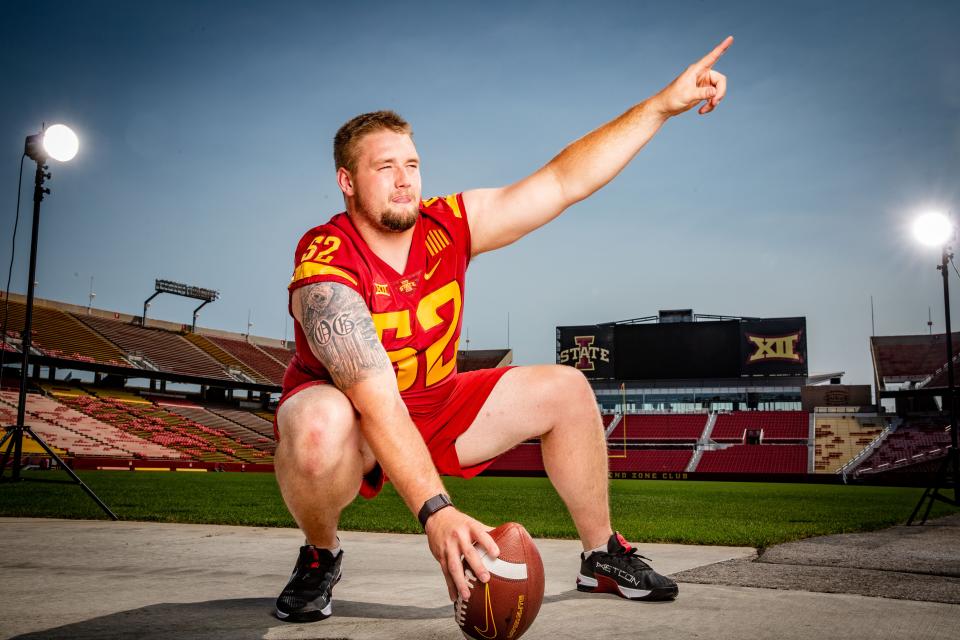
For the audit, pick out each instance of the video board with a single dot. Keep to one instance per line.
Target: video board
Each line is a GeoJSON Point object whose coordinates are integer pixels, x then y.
{"type": "Point", "coordinates": [770, 347]}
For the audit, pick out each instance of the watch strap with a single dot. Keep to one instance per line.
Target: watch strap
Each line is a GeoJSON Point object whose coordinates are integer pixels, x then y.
{"type": "Point", "coordinates": [431, 506]}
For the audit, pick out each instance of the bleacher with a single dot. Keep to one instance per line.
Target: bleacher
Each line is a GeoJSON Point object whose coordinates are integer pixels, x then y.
{"type": "Point", "coordinates": [649, 460]}
{"type": "Point", "coordinates": [48, 408]}
{"type": "Point", "coordinates": [253, 356]}
{"type": "Point", "coordinates": [253, 422]}
{"type": "Point", "coordinates": [61, 335]}
{"type": "Point", "coordinates": [140, 417]}
{"type": "Point", "coordinates": [280, 354]}
{"type": "Point", "coordinates": [65, 439]}
{"type": "Point", "coordinates": [525, 457]}
{"type": "Point", "coordinates": [838, 438]}
{"type": "Point", "coordinates": [745, 458]}
{"type": "Point", "coordinates": [166, 350]}
{"type": "Point", "coordinates": [911, 358]}
{"type": "Point", "coordinates": [231, 428]}
{"type": "Point", "coordinates": [792, 426]}
{"type": "Point", "coordinates": [663, 427]}
{"type": "Point", "coordinates": [225, 358]}
{"type": "Point", "coordinates": [911, 444]}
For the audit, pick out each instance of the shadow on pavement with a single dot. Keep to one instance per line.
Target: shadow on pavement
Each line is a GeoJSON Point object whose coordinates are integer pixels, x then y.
{"type": "Point", "coordinates": [237, 619]}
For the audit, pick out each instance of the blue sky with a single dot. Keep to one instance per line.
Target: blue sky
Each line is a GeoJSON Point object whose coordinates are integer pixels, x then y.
{"type": "Point", "coordinates": [206, 135]}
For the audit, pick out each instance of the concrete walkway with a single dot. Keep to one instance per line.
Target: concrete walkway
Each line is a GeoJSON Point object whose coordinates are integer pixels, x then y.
{"type": "Point", "coordinates": [91, 579]}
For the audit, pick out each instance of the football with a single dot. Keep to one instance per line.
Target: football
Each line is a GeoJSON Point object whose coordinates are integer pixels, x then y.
{"type": "Point", "coordinates": [506, 606]}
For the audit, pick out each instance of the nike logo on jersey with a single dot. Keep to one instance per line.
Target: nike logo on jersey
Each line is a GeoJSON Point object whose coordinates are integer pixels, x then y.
{"type": "Point", "coordinates": [429, 274]}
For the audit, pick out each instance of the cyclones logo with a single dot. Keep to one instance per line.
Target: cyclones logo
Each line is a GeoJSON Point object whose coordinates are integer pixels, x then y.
{"type": "Point", "coordinates": [584, 355]}
{"type": "Point", "coordinates": [782, 348]}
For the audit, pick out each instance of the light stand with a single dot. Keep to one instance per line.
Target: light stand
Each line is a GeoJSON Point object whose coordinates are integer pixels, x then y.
{"type": "Point", "coordinates": [943, 477]}
{"type": "Point", "coordinates": [13, 438]}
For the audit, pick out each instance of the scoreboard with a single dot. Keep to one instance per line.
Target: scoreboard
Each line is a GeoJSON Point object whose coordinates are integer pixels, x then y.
{"type": "Point", "coordinates": [772, 347]}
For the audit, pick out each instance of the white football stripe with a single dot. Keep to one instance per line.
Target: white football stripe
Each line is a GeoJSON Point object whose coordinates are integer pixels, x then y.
{"type": "Point", "coordinates": [504, 569]}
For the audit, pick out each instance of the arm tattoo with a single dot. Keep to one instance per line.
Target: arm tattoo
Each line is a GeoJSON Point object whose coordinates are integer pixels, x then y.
{"type": "Point", "coordinates": [340, 331]}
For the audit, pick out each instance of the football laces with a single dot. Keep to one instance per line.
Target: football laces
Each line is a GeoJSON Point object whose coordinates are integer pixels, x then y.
{"type": "Point", "coordinates": [461, 605]}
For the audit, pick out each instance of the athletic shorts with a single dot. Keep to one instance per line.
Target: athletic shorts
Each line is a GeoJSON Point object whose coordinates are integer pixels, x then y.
{"type": "Point", "coordinates": [440, 424]}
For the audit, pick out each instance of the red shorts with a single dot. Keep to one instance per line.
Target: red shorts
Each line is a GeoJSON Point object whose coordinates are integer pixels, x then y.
{"type": "Point", "coordinates": [440, 424]}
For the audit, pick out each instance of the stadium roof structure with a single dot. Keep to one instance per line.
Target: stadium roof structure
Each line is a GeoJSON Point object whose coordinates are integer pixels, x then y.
{"type": "Point", "coordinates": [917, 359]}
{"type": "Point", "coordinates": [678, 315]}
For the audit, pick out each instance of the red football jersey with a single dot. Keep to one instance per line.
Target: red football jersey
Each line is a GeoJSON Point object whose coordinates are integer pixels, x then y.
{"type": "Point", "coordinates": [417, 313]}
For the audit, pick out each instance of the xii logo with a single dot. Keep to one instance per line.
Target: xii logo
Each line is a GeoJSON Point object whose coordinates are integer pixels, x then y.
{"type": "Point", "coordinates": [783, 348]}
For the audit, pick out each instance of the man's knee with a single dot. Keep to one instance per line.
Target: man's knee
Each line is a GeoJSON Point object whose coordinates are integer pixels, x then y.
{"type": "Point", "coordinates": [568, 385]}
{"type": "Point", "coordinates": [319, 432]}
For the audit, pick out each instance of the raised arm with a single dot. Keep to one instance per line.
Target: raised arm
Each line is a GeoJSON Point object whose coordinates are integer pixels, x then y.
{"type": "Point", "coordinates": [501, 216]}
{"type": "Point", "coordinates": [341, 333]}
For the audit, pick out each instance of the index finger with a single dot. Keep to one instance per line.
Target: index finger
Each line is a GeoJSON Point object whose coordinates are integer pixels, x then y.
{"type": "Point", "coordinates": [711, 58]}
{"type": "Point", "coordinates": [482, 537]}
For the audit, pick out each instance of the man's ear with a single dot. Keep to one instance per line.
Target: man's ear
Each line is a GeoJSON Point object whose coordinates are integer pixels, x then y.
{"type": "Point", "coordinates": [345, 180]}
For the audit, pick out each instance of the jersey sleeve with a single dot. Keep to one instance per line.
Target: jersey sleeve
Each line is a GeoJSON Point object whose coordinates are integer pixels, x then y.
{"type": "Point", "coordinates": [450, 212]}
{"type": "Point", "coordinates": [325, 255]}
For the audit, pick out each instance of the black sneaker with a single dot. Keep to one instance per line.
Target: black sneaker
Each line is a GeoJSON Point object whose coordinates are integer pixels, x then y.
{"type": "Point", "coordinates": [308, 596]}
{"type": "Point", "coordinates": [620, 570]}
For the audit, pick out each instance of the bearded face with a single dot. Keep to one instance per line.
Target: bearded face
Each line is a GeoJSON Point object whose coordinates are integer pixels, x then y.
{"type": "Point", "coordinates": [385, 187]}
{"type": "Point", "coordinates": [391, 215]}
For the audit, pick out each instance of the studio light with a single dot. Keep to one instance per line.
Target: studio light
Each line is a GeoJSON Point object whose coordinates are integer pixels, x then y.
{"type": "Point", "coordinates": [933, 229]}
{"type": "Point", "coordinates": [57, 141]}
{"type": "Point", "coordinates": [60, 142]}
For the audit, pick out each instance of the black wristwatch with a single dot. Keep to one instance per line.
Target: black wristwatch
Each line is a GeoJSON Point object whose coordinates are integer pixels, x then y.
{"type": "Point", "coordinates": [431, 506]}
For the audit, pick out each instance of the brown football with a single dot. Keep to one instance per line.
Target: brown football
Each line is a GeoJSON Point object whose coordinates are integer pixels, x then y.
{"type": "Point", "coordinates": [504, 607]}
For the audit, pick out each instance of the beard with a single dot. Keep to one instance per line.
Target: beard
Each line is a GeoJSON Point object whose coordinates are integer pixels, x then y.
{"type": "Point", "coordinates": [392, 217]}
{"type": "Point", "coordinates": [396, 219]}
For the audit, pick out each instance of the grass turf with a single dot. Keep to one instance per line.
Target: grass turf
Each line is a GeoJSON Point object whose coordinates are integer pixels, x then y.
{"type": "Point", "coordinates": [721, 513]}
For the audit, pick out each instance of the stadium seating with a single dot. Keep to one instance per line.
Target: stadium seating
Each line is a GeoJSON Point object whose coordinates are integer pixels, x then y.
{"type": "Point", "coordinates": [648, 460]}
{"type": "Point", "coordinates": [56, 412]}
{"type": "Point", "coordinates": [225, 358]}
{"type": "Point", "coordinates": [839, 438]}
{"type": "Point", "coordinates": [755, 459]}
{"type": "Point", "coordinates": [233, 429]}
{"type": "Point", "coordinates": [776, 425]}
{"type": "Point", "coordinates": [153, 423]}
{"type": "Point", "coordinates": [904, 358]}
{"type": "Point", "coordinates": [661, 427]}
{"type": "Point", "coordinates": [67, 439]}
{"type": "Point", "coordinates": [59, 334]}
{"type": "Point", "coordinates": [912, 443]}
{"type": "Point", "coordinates": [524, 457]}
{"type": "Point", "coordinates": [252, 356]}
{"type": "Point", "coordinates": [279, 354]}
{"type": "Point", "coordinates": [251, 421]}
{"type": "Point", "coordinates": [165, 349]}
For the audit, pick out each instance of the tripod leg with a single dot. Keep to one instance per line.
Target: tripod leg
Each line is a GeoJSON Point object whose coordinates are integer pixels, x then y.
{"type": "Point", "coordinates": [916, 509]}
{"type": "Point", "coordinates": [935, 492]}
{"type": "Point", "coordinates": [75, 477]}
{"type": "Point", "coordinates": [932, 491]}
{"type": "Point", "coordinates": [6, 452]}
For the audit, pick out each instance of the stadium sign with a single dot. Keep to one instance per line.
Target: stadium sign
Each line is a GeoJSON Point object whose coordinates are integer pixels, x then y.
{"type": "Point", "coordinates": [589, 349]}
{"type": "Point", "coordinates": [699, 350]}
{"type": "Point", "coordinates": [775, 347]}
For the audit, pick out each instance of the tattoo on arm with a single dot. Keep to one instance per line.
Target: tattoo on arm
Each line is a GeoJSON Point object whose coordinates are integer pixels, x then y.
{"type": "Point", "coordinates": [341, 333]}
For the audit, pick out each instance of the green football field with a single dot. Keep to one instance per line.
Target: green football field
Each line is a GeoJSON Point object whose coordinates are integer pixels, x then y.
{"type": "Point", "coordinates": [724, 513]}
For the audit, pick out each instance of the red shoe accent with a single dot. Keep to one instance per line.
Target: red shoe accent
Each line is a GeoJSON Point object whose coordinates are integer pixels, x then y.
{"type": "Point", "coordinates": [606, 585]}
{"type": "Point", "coordinates": [623, 541]}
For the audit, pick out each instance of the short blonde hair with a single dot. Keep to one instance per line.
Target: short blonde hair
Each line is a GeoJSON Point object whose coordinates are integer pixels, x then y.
{"type": "Point", "coordinates": [345, 142]}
